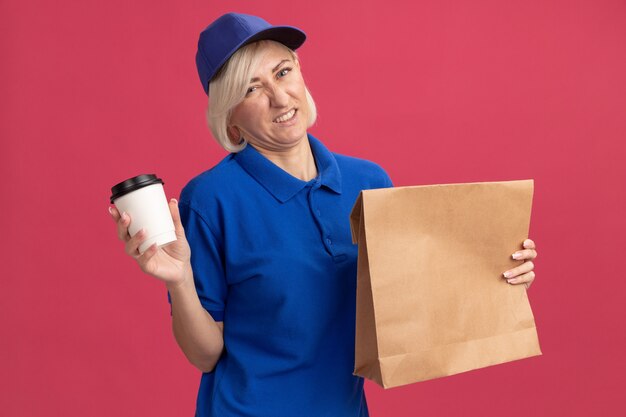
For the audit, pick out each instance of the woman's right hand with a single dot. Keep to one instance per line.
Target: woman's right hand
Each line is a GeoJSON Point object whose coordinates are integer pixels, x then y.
{"type": "Point", "coordinates": [171, 263]}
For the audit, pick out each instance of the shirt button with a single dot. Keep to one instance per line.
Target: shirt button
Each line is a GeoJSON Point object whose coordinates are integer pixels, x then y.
{"type": "Point", "coordinates": [329, 241]}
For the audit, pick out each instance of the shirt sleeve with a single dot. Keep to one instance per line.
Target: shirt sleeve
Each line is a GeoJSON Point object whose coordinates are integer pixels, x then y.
{"type": "Point", "coordinates": [207, 262]}
{"type": "Point", "coordinates": [387, 180]}
{"type": "Point", "coordinates": [382, 178]}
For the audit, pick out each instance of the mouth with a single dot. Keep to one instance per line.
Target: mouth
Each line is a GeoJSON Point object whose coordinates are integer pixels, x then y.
{"type": "Point", "coordinates": [285, 117]}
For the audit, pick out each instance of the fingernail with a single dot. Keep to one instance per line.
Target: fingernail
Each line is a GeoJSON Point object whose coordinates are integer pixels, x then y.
{"type": "Point", "coordinates": [517, 255]}
{"type": "Point", "coordinates": [123, 216]}
{"type": "Point", "coordinates": [511, 281]}
{"type": "Point", "coordinates": [507, 274]}
{"type": "Point", "coordinates": [174, 200]}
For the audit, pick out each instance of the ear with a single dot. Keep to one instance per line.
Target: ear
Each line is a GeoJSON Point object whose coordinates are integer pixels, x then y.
{"type": "Point", "coordinates": [233, 134]}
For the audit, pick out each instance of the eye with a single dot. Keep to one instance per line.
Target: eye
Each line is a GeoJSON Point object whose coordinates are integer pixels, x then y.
{"type": "Point", "coordinates": [283, 72]}
{"type": "Point", "coordinates": [250, 90]}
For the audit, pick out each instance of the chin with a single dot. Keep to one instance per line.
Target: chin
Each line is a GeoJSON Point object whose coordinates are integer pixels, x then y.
{"type": "Point", "coordinates": [297, 136]}
{"type": "Point", "coordinates": [291, 135]}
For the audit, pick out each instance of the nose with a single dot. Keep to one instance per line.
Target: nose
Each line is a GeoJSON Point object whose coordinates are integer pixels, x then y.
{"type": "Point", "coordinates": [278, 96]}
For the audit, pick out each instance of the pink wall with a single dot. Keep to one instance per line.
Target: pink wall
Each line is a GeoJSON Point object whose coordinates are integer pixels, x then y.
{"type": "Point", "coordinates": [435, 91]}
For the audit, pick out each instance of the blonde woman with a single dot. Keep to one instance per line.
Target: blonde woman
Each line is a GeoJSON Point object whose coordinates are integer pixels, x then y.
{"type": "Point", "coordinates": [262, 279]}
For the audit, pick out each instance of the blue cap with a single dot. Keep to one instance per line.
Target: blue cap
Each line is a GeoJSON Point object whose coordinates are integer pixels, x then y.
{"type": "Point", "coordinates": [230, 32]}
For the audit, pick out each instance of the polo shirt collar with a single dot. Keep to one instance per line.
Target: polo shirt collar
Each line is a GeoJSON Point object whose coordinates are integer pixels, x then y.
{"type": "Point", "coordinates": [279, 182]}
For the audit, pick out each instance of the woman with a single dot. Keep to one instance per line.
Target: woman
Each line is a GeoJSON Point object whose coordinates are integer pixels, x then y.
{"type": "Point", "coordinates": [262, 278]}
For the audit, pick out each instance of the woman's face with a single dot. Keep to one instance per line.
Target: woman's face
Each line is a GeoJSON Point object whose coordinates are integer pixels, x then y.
{"type": "Point", "coordinates": [274, 113]}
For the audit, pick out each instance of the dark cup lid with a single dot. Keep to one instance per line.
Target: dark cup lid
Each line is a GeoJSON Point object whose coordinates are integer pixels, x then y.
{"type": "Point", "coordinates": [133, 184]}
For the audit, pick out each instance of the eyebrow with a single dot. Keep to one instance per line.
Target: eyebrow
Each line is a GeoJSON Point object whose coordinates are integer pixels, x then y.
{"type": "Point", "coordinates": [255, 79]}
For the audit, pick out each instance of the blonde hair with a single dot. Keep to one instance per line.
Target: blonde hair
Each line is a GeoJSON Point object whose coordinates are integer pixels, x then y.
{"type": "Point", "coordinates": [228, 88]}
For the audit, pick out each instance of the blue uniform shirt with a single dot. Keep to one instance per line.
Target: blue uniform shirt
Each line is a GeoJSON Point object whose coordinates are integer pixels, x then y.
{"type": "Point", "coordinates": [272, 257]}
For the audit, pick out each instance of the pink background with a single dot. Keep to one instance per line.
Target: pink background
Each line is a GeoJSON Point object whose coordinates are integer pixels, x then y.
{"type": "Point", "coordinates": [435, 91]}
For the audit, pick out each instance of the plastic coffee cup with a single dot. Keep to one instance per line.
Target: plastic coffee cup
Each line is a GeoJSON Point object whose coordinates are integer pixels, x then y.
{"type": "Point", "coordinates": [143, 199]}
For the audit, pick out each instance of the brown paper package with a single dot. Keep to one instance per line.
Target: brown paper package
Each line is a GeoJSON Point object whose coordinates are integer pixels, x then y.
{"type": "Point", "coordinates": [431, 300]}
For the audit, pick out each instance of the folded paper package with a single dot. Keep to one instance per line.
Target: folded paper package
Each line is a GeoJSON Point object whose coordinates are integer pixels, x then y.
{"type": "Point", "coordinates": [431, 300]}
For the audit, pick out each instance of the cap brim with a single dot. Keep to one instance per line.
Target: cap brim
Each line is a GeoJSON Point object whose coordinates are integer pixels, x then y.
{"type": "Point", "coordinates": [287, 35]}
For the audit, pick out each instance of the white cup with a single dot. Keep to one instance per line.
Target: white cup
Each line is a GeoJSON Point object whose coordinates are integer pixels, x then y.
{"type": "Point", "coordinates": [143, 199]}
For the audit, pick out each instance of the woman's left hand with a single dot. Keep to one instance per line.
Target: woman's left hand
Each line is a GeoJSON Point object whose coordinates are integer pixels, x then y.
{"type": "Point", "coordinates": [523, 273]}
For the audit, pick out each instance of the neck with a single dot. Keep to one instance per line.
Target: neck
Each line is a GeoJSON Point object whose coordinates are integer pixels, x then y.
{"type": "Point", "coordinates": [297, 160]}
